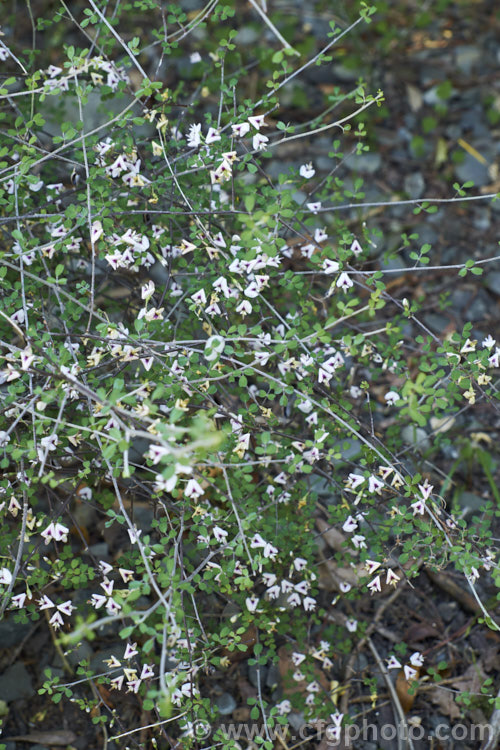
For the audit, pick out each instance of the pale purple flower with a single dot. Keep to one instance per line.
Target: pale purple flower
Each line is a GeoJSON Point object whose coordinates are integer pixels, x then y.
{"type": "Point", "coordinates": [259, 142]}
{"type": "Point", "coordinates": [307, 171]}
{"type": "Point", "coordinates": [240, 129]}
{"type": "Point", "coordinates": [344, 282]}
{"type": "Point", "coordinates": [257, 121]}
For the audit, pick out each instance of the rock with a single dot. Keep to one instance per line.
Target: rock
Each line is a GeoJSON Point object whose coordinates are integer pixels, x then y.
{"type": "Point", "coordinates": [472, 169]}
{"type": "Point", "coordinates": [414, 185]}
{"type": "Point", "coordinates": [470, 503]}
{"type": "Point", "coordinates": [225, 703]}
{"type": "Point", "coordinates": [436, 322]}
{"type": "Point", "coordinates": [273, 677]}
{"type": "Point", "coordinates": [366, 163]}
{"type": "Point", "coordinates": [415, 436]}
{"type": "Point", "coordinates": [296, 720]}
{"type": "Point", "coordinates": [12, 633]}
{"type": "Point", "coordinates": [16, 683]}
{"type": "Point", "coordinates": [467, 57]}
{"type": "Point", "coordinates": [82, 651]}
{"type": "Point", "coordinates": [257, 675]}
{"type": "Point", "coordinates": [448, 611]}
{"type": "Point", "coordinates": [492, 281]}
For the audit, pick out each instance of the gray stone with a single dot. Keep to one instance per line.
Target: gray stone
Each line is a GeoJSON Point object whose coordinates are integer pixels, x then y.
{"type": "Point", "coordinates": [492, 281]}
{"type": "Point", "coordinates": [415, 436]}
{"type": "Point", "coordinates": [472, 169]}
{"type": "Point", "coordinates": [12, 633]}
{"type": "Point", "coordinates": [436, 322]}
{"type": "Point", "coordinates": [366, 163]}
{"type": "Point", "coordinates": [247, 36]}
{"type": "Point", "coordinates": [470, 503]}
{"type": "Point", "coordinates": [257, 675]}
{"type": "Point", "coordinates": [82, 651]}
{"type": "Point", "coordinates": [273, 677]}
{"type": "Point", "coordinates": [448, 611]}
{"type": "Point", "coordinates": [296, 720]}
{"type": "Point", "coordinates": [16, 683]}
{"type": "Point", "coordinates": [481, 219]}
{"type": "Point", "coordinates": [467, 57]}
{"type": "Point", "coordinates": [225, 703]}
{"type": "Point", "coordinates": [414, 185]}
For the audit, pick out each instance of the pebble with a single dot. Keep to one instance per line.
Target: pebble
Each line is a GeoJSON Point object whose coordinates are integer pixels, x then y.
{"type": "Point", "coordinates": [414, 185]}
{"type": "Point", "coordinates": [472, 169]}
{"type": "Point", "coordinates": [415, 436]}
{"type": "Point", "coordinates": [257, 674]}
{"type": "Point", "coordinates": [367, 163]}
{"type": "Point", "coordinates": [492, 281]}
{"type": "Point", "coordinates": [12, 633]}
{"type": "Point", "coordinates": [470, 503]}
{"type": "Point", "coordinates": [225, 703]}
{"type": "Point", "coordinates": [467, 57]}
{"type": "Point", "coordinates": [16, 683]}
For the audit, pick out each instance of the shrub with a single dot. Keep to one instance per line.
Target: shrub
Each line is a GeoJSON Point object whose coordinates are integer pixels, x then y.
{"type": "Point", "coordinates": [198, 353]}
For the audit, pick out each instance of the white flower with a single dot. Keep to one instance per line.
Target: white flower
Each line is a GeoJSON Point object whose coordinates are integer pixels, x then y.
{"type": "Point", "coordinates": [356, 248]}
{"type": "Point", "coordinates": [199, 297]}
{"type": "Point", "coordinates": [297, 658]}
{"type": "Point", "coordinates": [96, 231]}
{"type": "Point", "coordinates": [344, 282]}
{"type": "Point", "coordinates": [294, 600]}
{"type": "Point", "coordinates": [314, 207]}
{"type": "Point", "coordinates": [351, 625]}
{"type": "Point", "coordinates": [45, 603]}
{"type": "Point", "coordinates": [56, 531]}
{"type": "Point", "coordinates": [345, 587]}
{"type": "Point", "coordinates": [193, 489]}
{"type": "Point", "coordinates": [299, 563]}
{"type": "Point", "coordinates": [307, 171]}
{"type": "Point", "coordinates": [391, 397]}
{"type": "Point", "coordinates": [240, 129]}
{"type": "Point", "coordinates": [358, 540]}
{"type": "Point", "coordinates": [130, 651]}
{"type": "Point", "coordinates": [354, 480]}
{"type": "Point", "coordinates": [257, 121]}
{"type": "Point", "coordinates": [212, 136]}
{"type": "Point", "coordinates": [371, 566]}
{"type": "Point", "coordinates": [330, 266]}
{"type": "Point", "coordinates": [18, 600]}
{"type": "Point", "coordinates": [416, 659]}
{"type": "Point", "coordinates": [375, 484]}
{"type": "Point", "coordinates": [410, 673]}
{"type": "Point", "coordinates": [350, 525]}
{"type": "Point", "coordinates": [418, 506]}
{"type": "Point", "coordinates": [56, 620]}
{"type": "Point", "coordinates": [393, 663]}
{"type": "Point", "coordinates": [392, 578]}
{"type": "Point", "coordinates": [66, 608]}
{"type": "Point", "coordinates": [5, 576]}
{"type": "Point", "coordinates": [49, 442]}
{"type": "Point", "coordinates": [259, 142]}
{"type": "Point", "coordinates": [194, 57]}
{"type": "Point", "coordinates": [219, 534]}
{"type": "Point", "coordinates": [320, 235]}
{"type": "Point", "coordinates": [374, 585]}
{"type": "Point", "coordinates": [284, 707]}
{"type": "Point", "coordinates": [489, 342]}
{"type": "Point", "coordinates": [252, 603]}
{"type": "Point", "coordinates": [134, 534]}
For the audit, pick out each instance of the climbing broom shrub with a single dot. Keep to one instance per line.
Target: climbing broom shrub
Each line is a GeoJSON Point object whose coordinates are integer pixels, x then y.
{"type": "Point", "coordinates": [198, 352]}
